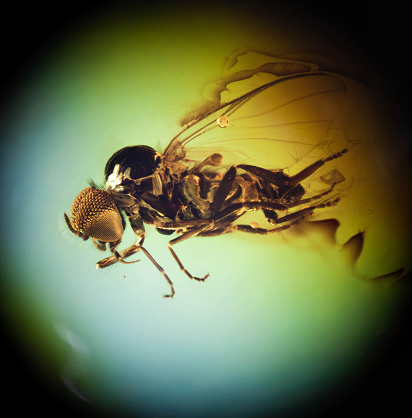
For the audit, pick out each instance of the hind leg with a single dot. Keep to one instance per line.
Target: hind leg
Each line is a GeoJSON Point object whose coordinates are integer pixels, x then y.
{"type": "Point", "coordinates": [308, 171]}
{"type": "Point", "coordinates": [291, 220]}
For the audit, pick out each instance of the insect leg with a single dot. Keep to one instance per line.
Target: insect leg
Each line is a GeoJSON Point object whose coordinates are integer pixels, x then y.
{"type": "Point", "coordinates": [112, 246]}
{"type": "Point", "coordinates": [263, 231]}
{"type": "Point", "coordinates": [108, 261]}
{"type": "Point", "coordinates": [127, 253]}
{"type": "Point", "coordinates": [306, 211]}
{"type": "Point", "coordinates": [138, 228]}
{"type": "Point", "coordinates": [223, 190]}
{"type": "Point", "coordinates": [312, 198]}
{"type": "Point", "coordinates": [276, 178]}
{"type": "Point", "coordinates": [229, 214]}
{"type": "Point", "coordinates": [308, 171]}
{"type": "Point", "coordinates": [220, 224]}
{"type": "Point", "coordinates": [99, 245]}
{"type": "Point", "coordinates": [292, 219]}
{"type": "Point", "coordinates": [254, 230]}
{"type": "Point", "coordinates": [183, 237]}
{"type": "Point", "coordinates": [160, 268]}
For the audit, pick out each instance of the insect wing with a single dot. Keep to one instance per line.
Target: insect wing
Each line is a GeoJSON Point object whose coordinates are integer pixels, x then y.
{"type": "Point", "coordinates": [274, 126]}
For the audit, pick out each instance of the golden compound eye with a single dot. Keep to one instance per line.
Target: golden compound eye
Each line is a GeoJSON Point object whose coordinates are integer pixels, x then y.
{"type": "Point", "coordinates": [222, 122]}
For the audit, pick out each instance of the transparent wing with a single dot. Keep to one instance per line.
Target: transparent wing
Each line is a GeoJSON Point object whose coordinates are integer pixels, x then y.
{"type": "Point", "coordinates": [275, 126]}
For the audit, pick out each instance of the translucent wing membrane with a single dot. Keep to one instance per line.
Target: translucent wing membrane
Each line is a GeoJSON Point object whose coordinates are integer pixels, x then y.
{"type": "Point", "coordinates": [274, 126]}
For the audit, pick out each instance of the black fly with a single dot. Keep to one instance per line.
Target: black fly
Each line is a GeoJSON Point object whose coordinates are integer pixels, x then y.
{"type": "Point", "coordinates": [203, 190]}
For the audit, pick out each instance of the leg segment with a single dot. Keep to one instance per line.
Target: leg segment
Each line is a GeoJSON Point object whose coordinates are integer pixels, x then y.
{"type": "Point", "coordinates": [223, 190]}
{"type": "Point", "coordinates": [127, 253]}
{"type": "Point", "coordinates": [222, 223]}
{"type": "Point", "coordinates": [306, 211]}
{"type": "Point", "coordinates": [308, 171]}
{"type": "Point", "coordinates": [311, 199]}
{"type": "Point", "coordinates": [108, 261]}
{"type": "Point", "coordinates": [184, 237]}
{"type": "Point", "coordinates": [112, 246]}
{"type": "Point", "coordinates": [293, 219]}
{"type": "Point", "coordinates": [263, 231]}
{"type": "Point", "coordinates": [99, 245]}
{"type": "Point", "coordinates": [276, 178]}
{"type": "Point", "coordinates": [279, 179]}
{"type": "Point", "coordinates": [160, 268]}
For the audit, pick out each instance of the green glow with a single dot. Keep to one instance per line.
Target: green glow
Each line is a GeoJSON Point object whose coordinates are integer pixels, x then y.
{"type": "Point", "coordinates": [279, 317]}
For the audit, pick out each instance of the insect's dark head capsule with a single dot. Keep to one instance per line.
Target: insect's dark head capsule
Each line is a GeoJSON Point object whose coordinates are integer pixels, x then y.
{"type": "Point", "coordinates": [95, 215]}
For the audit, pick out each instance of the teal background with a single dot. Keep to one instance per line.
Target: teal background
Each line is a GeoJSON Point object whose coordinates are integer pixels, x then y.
{"type": "Point", "coordinates": [279, 324]}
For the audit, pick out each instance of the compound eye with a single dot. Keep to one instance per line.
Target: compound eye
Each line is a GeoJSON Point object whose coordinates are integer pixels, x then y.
{"type": "Point", "coordinates": [94, 214]}
{"type": "Point", "coordinates": [107, 227]}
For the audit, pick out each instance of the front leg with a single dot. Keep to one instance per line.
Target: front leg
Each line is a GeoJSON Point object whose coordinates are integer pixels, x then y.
{"type": "Point", "coordinates": [138, 228]}
{"type": "Point", "coordinates": [99, 244]}
{"type": "Point", "coordinates": [108, 261]}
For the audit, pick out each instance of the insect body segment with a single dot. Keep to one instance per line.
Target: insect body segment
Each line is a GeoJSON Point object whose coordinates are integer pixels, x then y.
{"type": "Point", "coordinates": [177, 193]}
{"type": "Point", "coordinates": [94, 214]}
